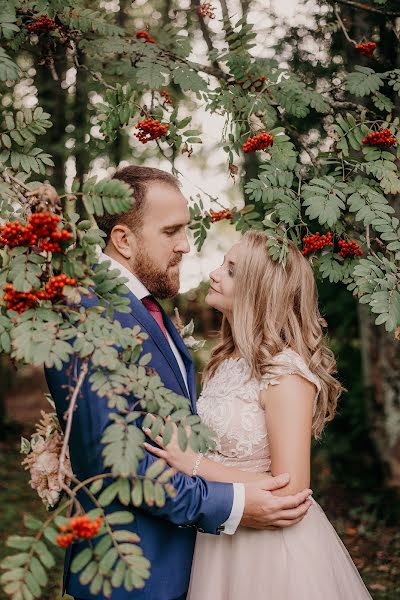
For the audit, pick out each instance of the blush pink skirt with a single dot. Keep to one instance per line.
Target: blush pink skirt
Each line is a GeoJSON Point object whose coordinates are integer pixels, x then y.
{"type": "Point", "coordinates": [307, 561]}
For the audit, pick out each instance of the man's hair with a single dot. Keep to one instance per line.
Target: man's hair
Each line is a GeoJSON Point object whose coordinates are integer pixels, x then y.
{"type": "Point", "coordinates": [139, 179]}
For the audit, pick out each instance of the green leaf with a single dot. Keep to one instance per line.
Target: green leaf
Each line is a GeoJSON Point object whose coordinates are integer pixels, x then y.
{"type": "Point", "coordinates": [108, 494]}
{"type": "Point", "coordinates": [363, 81]}
{"type": "Point", "coordinates": [137, 493]}
{"type": "Point", "coordinates": [81, 560]}
{"type": "Point", "coordinates": [88, 573]}
{"type": "Point", "coordinates": [9, 70]}
{"type": "Point", "coordinates": [38, 572]}
{"type": "Point", "coordinates": [108, 560]}
{"type": "Point", "coordinates": [120, 517]}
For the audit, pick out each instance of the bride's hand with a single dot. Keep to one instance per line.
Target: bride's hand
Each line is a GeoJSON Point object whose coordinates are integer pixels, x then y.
{"type": "Point", "coordinates": [182, 461]}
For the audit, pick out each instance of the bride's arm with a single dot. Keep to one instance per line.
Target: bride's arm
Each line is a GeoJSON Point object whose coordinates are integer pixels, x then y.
{"type": "Point", "coordinates": [186, 461]}
{"type": "Point", "coordinates": [288, 414]}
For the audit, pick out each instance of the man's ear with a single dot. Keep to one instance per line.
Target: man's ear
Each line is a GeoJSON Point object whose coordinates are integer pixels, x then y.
{"type": "Point", "coordinates": [123, 240]}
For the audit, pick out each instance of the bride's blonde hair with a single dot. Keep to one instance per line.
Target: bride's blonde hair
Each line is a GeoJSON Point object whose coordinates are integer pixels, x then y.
{"type": "Point", "coordinates": [274, 308]}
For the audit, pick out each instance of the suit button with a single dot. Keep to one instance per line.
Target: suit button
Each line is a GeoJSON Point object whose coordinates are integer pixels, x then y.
{"type": "Point", "coordinates": [201, 530]}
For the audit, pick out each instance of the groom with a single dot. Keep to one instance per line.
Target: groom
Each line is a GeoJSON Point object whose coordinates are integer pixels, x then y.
{"type": "Point", "coordinates": [146, 244]}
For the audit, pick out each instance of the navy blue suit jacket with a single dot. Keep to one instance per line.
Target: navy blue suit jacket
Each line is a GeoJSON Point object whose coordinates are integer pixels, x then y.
{"type": "Point", "coordinates": [168, 533]}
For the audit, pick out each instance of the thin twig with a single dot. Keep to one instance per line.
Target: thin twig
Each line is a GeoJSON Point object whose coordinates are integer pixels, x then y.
{"type": "Point", "coordinates": [10, 178]}
{"type": "Point", "coordinates": [348, 38]}
{"type": "Point", "coordinates": [368, 8]}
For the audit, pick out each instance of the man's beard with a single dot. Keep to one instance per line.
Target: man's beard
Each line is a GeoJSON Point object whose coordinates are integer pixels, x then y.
{"type": "Point", "coordinates": [161, 284]}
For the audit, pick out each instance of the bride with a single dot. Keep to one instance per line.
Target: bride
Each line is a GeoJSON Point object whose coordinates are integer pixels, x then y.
{"type": "Point", "coordinates": [268, 388]}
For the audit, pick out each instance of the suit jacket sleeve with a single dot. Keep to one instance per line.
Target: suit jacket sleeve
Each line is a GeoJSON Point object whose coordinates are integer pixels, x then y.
{"type": "Point", "coordinates": [205, 505]}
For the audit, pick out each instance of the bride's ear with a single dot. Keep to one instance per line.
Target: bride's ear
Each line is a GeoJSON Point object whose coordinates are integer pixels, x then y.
{"type": "Point", "coordinates": [123, 240]}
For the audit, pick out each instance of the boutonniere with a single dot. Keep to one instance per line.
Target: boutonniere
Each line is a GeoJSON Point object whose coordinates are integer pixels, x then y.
{"type": "Point", "coordinates": [186, 333]}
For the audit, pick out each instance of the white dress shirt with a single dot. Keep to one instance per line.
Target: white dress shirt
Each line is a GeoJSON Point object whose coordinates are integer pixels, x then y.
{"type": "Point", "coordinates": [140, 291]}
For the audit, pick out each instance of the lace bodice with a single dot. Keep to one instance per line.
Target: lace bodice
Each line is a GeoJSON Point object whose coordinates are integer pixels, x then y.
{"type": "Point", "coordinates": [230, 405]}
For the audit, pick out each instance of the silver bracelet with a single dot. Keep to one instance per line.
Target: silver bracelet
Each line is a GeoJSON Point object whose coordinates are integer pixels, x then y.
{"type": "Point", "coordinates": [197, 464]}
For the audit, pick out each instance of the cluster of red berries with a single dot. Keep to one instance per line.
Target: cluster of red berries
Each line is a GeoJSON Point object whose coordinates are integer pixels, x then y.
{"type": "Point", "coordinates": [167, 98]}
{"type": "Point", "coordinates": [367, 49]}
{"type": "Point", "coordinates": [149, 130]}
{"type": "Point", "coordinates": [258, 142]}
{"type": "Point", "coordinates": [40, 230]}
{"type": "Point", "coordinates": [54, 287]}
{"type": "Point", "coordinates": [42, 24]}
{"type": "Point", "coordinates": [349, 248]}
{"type": "Point", "coordinates": [220, 215]}
{"type": "Point", "coordinates": [206, 9]}
{"type": "Point", "coordinates": [144, 35]}
{"type": "Point", "coordinates": [383, 138]}
{"type": "Point", "coordinates": [313, 243]}
{"type": "Point", "coordinates": [78, 528]}
{"type": "Point", "coordinates": [18, 301]}
{"type": "Point", "coordinates": [257, 83]}
{"type": "Point", "coordinates": [21, 301]}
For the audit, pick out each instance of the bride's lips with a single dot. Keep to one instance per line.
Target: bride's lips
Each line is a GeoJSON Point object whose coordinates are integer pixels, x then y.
{"type": "Point", "coordinates": [214, 290]}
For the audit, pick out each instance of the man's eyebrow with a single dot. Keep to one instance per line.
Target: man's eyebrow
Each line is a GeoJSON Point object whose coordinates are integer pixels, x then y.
{"type": "Point", "coordinates": [175, 226]}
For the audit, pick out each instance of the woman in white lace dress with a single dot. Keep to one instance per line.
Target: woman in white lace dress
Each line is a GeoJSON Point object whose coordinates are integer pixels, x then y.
{"type": "Point", "coordinates": [268, 388]}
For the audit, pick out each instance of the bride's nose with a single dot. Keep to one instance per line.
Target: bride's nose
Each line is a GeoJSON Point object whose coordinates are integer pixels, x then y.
{"type": "Point", "coordinates": [214, 275]}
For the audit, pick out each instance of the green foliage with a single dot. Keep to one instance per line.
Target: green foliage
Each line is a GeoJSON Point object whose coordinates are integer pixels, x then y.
{"type": "Point", "coordinates": [324, 198]}
{"type": "Point", "coordinates": [9, 70]}
{"type": "Point", "coordinates": [26, 573]}
{"type": "Point", "coordinates": [119, 107]}
{"type": "Point", "coordinates": [363, 81]}
{"type": "Point", "coordinates": [113, 196]}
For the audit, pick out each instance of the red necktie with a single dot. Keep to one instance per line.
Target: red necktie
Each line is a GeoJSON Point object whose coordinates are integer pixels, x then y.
{"type": "Point", "coordinates": [155, 311]}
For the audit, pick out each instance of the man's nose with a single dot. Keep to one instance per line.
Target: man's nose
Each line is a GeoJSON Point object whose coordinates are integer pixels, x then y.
{"type": "Point", "coordinates": [183, 245]}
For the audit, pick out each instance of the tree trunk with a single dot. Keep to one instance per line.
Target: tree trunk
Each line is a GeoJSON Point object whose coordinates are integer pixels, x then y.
{"type": "Point", "coordinates": [381, 369]}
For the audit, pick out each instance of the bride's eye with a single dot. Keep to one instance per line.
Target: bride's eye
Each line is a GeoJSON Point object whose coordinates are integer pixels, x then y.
{"type": "Point", "coordinates": [230, 273]}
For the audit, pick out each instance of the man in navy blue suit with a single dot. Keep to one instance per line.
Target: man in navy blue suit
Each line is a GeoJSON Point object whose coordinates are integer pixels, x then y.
{"type": "Point", "coordinates": [146, 244]}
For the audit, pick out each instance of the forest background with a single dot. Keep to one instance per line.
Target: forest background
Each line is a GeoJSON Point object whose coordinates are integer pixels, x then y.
{"type": "Point", "coordinates": [357, 463]}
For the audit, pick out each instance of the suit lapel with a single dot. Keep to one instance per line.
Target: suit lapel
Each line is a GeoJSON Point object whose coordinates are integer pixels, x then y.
{"type": "Point", "coordinates": [187, 359]}
{"type": "Point", "coordinates": [143, 317]}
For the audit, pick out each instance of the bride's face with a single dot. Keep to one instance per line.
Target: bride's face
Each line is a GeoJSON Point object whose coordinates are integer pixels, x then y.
{"type": "Point", "coordinates": [221, 291]}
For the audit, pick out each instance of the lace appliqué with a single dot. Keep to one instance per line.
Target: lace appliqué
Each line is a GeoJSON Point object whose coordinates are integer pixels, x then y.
{"type": "Point", "coordinates": [230, 405]}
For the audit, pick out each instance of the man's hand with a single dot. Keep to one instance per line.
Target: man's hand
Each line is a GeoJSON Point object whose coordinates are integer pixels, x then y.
{"type": "Point", "coordinates": [263, 510]}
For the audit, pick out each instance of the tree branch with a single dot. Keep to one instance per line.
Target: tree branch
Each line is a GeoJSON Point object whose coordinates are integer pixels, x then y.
{"type": "Point", "coordinates": [69, 416]}
{"type": "Point", "coordinates": [348, 38]}
{"type": "Point", "coordinates": [368, 8]}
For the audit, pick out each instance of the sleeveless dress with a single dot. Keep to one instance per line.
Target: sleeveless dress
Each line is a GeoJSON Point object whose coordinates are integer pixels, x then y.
{"type": "Point", "coordinates": [307, 561]}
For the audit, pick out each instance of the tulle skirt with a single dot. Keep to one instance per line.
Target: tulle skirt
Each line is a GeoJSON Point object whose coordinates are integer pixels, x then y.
{"type": "Point", "coordinates": [307, 561]}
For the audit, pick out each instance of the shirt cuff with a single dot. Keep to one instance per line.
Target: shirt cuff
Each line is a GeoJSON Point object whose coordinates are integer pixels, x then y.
{"type": "Point", "coordinates": [232, 523]}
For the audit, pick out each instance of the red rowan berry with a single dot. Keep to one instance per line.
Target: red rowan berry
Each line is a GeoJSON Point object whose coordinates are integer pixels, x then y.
{"type": "Point", "coordinates": [258, 142]}
{"type": "Point", "coordinates": [64, 540]}
{"type": "Point", "coordinates": [367, 49]}
{"type": "Point", "coordinates": [150, 129]}
{"type": "Point", "coordinates": [313, 243]}
{"type": "Point", "coordinates": [81, 527]}
{"type": "Point", "coordinates": [349, 248]}
{"type": "Point", "coordinates": [167, 98]}
{"type": "Point", "coordinates": [383, 138]}
{"type": "Point", "coordinates": [206, 9]}
{"type": "Point", "coordinates": [221, 215]}
{"type": "Point", "coordinates": [144, 35]}
{"type": "Point", "coordinates": [42, 24]}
